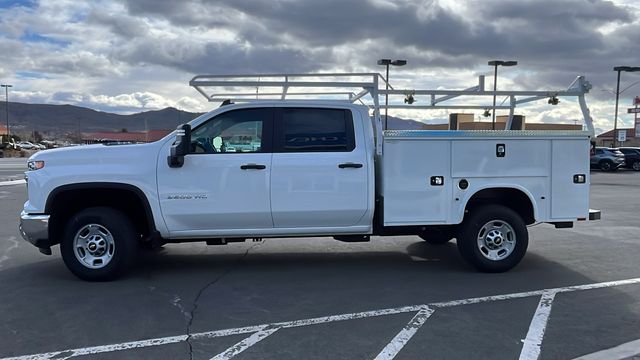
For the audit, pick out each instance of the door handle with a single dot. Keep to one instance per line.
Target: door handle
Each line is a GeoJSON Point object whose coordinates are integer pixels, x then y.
{"type": "Point", "coordinates": [253, 167]}
{"type": "Point", "coordinates": [349, 165]}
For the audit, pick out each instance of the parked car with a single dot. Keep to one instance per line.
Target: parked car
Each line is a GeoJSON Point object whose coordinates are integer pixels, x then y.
{"type": "Point", "coordinates": [631, 157]}
{"type": "Point", "coordinates": [607, 159]}
{"type": "Point", "coordinates": [26, 145]}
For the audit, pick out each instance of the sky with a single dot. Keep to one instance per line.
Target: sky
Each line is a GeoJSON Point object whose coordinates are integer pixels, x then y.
{"type": "Point", "coordinates": [132, 55]}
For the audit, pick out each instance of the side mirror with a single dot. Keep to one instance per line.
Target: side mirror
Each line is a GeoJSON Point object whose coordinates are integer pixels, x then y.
{"type": "Point", "coordinates": [181, 146]}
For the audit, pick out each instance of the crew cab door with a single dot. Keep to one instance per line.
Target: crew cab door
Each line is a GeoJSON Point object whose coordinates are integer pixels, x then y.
{"type": "Point", "coordinates": [320, 169]}
{"type": "Point", "coordinates": [224, 184]}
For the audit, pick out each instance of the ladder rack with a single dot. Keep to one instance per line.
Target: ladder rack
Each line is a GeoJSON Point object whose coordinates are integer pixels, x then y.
{"type": "Point", "coordinates": [367, 88]}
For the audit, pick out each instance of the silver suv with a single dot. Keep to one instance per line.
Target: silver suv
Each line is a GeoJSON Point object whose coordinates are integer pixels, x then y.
{"type": "Point", "coordinates": [607, 159]}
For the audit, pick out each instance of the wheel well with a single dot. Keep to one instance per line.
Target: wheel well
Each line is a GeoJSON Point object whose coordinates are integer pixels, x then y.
{"type": "Point", "coordinates": [514, 199]}
{"type": "Point", "coordinates": [68, 200]}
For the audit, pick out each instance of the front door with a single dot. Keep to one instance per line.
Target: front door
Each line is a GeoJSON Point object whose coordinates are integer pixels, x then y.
{"type": "Point", "coordinates": [224, 184]}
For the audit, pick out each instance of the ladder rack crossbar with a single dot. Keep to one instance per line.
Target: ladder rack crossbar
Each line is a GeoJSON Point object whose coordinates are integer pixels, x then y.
{"type": "Point", "coordinates": [356, 86]}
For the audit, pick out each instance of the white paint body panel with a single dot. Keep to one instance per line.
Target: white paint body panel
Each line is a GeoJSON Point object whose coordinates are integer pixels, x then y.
{"type": "Point", "coordinates": [120, 164]}
{"type": "Point", "coordinates": [210, 192]}
{"type": "Point", "coordinates": [542, 167]}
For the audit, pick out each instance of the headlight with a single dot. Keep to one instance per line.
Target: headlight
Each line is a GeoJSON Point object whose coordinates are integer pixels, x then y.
{"type": "Point", "coordinates": [35, 165]}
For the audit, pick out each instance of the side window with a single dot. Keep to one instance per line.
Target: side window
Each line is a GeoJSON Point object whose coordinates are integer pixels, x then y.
{"type": "Point", "coordinates": [236, 131]}
{"type": "Point", "coordinates": [316, 129]}
{"type": "Point", "coordinates": [599, 152]}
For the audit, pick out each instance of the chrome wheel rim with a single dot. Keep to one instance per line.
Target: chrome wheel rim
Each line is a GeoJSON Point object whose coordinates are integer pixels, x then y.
{"type": "Point", "coordinates": [496, 240]}
{"type": "Point", "coordinates": [93, 246]}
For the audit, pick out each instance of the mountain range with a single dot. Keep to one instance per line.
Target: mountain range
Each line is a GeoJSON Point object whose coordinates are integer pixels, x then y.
{"type": "Point", "coordinates": [56, 121]}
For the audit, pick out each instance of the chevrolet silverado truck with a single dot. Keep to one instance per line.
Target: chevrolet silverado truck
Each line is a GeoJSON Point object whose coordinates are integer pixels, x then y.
{"type": "Point", "coordinates": [303, 168]}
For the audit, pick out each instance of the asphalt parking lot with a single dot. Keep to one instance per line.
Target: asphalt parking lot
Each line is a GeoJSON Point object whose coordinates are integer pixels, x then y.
{"type": "Point", "coordinates": [577, 292]}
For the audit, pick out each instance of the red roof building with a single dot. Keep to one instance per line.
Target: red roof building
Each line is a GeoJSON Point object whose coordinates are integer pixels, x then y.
{"type": "Point", "coordinates": [133, 137]}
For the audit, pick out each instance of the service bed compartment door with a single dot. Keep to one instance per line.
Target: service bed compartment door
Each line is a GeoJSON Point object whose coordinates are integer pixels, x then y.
{"type": "Point", "coordinates": [417, 182]}
{"type": "Point", "coordinates": [319, 169]}
{"type": "Point", "coordinates": [569, 199]}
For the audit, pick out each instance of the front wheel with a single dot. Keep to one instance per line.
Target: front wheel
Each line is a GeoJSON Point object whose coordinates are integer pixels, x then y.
{"type": "Point", "coordinates": [493, 238]}
{"type": "Point", "coordinates": [99, 244]}
{"type": "Point", "coordinates": [636, 165]}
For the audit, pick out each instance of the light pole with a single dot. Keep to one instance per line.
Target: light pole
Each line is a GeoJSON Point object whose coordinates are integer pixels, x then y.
{"type": "Point", "coordinates": [620, 69]}
{"type": "Point", "coordinates": [388, 62]}
{"type": "Point", "coordinates": [6, 93]}
{"type": "Point", "coordinates": [495, 64]}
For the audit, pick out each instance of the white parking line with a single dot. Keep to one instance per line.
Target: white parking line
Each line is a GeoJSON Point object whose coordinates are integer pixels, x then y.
{"type": "Point", "coordinates": [12, 182]}
{"type": "Point", "coordinates": [402, 338]}
{"type": "Point", "coordinates": [533, 340]}
{"type": "Point", "coordinates": [623, 351]}
{"type": "Point", "coordinates": [65, 354]}
{"type": "Point", "coordinates": [244, 344]}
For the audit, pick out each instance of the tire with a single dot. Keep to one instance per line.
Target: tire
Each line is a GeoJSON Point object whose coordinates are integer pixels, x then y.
{"type": "Point", "coordinates": [483, 238]}
{"type": "Point", "coordinates": [436, 237]}
{"type": "Point", "coordinates": [606, 165]}
{"type": "Point", "coordinates": [636, 165]}
{"type": "Point", "coordinates": [99, 244]}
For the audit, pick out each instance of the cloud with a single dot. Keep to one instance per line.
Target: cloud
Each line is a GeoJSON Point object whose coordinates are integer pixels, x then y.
{"type": "Point", "coordinates": [125, 55]}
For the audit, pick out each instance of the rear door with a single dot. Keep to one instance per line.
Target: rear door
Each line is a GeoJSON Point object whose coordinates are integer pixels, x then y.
{"type": "Point", "coordinates": [320, 170]}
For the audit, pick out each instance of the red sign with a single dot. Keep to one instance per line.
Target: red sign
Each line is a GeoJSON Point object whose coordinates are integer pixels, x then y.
{"type": "Point", "coordinates": [636, 101]}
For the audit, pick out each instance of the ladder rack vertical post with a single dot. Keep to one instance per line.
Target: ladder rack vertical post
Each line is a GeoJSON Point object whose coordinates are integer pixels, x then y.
{"type": "Point", "coordinates": [376, 115]}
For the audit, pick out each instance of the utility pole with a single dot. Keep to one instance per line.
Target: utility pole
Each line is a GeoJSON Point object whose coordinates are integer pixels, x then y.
{"type": "Point", "coordinates": [387, 62]}
{"type": "Point", "coordinates": [6, 93]}
{"type": "Point", "coordinates": [620, 69]}
{"type": "Point", "coordinates": [495, 64]}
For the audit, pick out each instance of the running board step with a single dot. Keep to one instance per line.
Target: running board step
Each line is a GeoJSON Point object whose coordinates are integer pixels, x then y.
{"type": "Point", "coordinates": [353, 238]}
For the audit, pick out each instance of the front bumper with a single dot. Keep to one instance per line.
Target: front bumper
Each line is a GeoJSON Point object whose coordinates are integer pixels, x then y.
{"type": "Point", "coordinates": [35, 229]}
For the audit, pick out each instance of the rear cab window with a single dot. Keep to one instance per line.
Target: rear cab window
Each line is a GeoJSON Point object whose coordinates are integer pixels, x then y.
{"type": "Point", "coordinates": [314, 130]}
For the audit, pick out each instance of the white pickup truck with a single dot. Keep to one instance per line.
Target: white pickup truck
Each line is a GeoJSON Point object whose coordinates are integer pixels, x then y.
{"type": "Point", "coordinates": [307, 168]}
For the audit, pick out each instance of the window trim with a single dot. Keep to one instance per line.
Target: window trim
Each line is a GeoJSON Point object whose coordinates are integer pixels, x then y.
{"type": "Point", "coordinates": [266, 145]}
{"type": "Point", "coordinates": [279, 133]}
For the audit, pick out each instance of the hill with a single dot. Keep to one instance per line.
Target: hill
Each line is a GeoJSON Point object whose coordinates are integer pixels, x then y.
{"type": "Point", "coordinates": [56, 121]}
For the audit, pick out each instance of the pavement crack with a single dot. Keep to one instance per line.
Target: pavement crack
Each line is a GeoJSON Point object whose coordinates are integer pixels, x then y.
{"type": "Point", "coordinates": [191, 314]}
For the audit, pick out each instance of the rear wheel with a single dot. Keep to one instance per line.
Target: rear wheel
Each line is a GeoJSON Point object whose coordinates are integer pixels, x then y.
{"type": "Point", "coordinates": [493, 238]}
{"type": "Point", "coordinates": [99, 244]}
{"type": "Point", "coordinates": [636, 165]}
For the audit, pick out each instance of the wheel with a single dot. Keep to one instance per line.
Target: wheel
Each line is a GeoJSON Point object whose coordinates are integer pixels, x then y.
{"type": "Point", "coordinates": [436, 237]}
{"type": "Point", "coordinates": [493, 238]}
{"type": "Point", "coordinates": [636, 165]}
{"type": "Point", "coordinates": [99, 244]}
{"type": "Point", "coordinates": [606, 165]}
